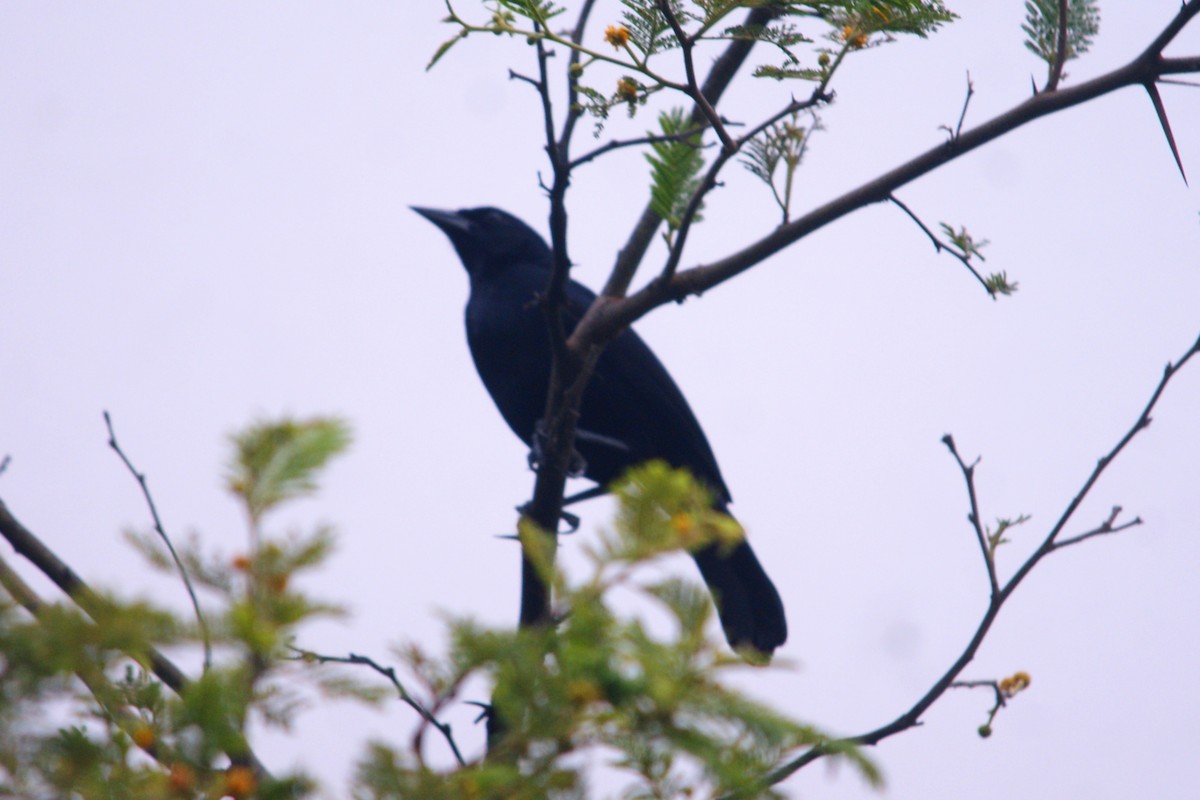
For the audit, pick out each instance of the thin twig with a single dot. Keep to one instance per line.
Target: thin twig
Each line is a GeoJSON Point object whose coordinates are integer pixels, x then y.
{"type": "Point", "coordinates": [723, 70]}
{"type": "Point", "coordinates": [968, 471]}
{"type": "Point", "coordinates": [616, 144]}
{"type": "Point", "coordinates": [1104, 528]}
{"type": "Point", "coordinates": [686, 45]}
{"type": "Point", "coordinates": [389, 673]}
{"type": "Point", "coordinates": [962, 116]}
{"type": "Point", "coordinates": [912, 717]}
{"type": "Point", "coordinates": [603, 320]}
{"type": "Point", "coordinates": [573, 110]}
{"type": "Point", "coordinates": [162, 533]}
{"type": "Point", "coordinates": [940, 246]}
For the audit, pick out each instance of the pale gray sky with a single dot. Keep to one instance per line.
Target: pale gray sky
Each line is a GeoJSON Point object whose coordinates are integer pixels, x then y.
{"type": "Point", "coordinates": [205, 220]}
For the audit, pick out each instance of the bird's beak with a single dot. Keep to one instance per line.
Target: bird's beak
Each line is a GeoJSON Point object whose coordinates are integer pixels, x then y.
{"type": "Point", "coordinates": [452, 223]}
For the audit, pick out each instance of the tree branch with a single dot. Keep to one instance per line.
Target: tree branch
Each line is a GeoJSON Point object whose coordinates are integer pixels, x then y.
{"type": "Point", "coordinates": [912, 717]}
{"type": "Point", "coordinates": [724, 68]}
{"type": "Point", "coordinates": [162, 534]}
{"type": "Point", "coordinates": [613, 313]}
{"type": "Point", "coordinates": [66, 579]}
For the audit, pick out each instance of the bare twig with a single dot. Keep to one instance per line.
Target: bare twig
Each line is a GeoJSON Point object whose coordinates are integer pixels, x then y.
{"type": "Point", "coordinates": [956, 131]}
{"type": "Point", "coordinates": [162, 533]}
{"type": "Point", "coordinates": [968, 471]}
{"type": "Point", "coordinates": [616, 144]}
{"type": "Point", "coordinates": [1107, 526]}
{"type": "Point", "coordinates": [389, 673]}
{"type": "Point", "coordinates": [912, 717]}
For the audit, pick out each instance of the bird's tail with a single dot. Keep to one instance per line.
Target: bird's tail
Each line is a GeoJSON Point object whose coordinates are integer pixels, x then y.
{"type": "Point", "coordinates": [748, 605]}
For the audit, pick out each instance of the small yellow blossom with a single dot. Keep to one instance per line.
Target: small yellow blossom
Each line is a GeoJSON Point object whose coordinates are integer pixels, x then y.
{"type": "Point", "coordinates": [854, 37]}
{"type": "Point", "coordinates": [240, 782]}
{"type": "Point", "coordinates": [1014, 683]}
{"type": "Point", "coordinates": [143, 736]}
{"type": "Point", "coordinates": [617, 36]}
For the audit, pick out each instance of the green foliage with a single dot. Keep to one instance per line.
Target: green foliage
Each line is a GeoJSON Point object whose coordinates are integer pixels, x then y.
{"type": "Point", "coordinates": [998, 283]}
{"type": "Point", "coordinates": [649, 30]}
{"type": "Point", "coordinates": [1041, 27]}
{"type": "Point", "coordinates": [675, 164]}
{"type": "Point", "coordinates": [113, 723]}
{"type": "Point", "coordinates": [277, 461]}
{"type": "Point", "coordinates": [996, 538]}
{"type": "Point", "coordinates": [782, 143]}
{"type": "Point", "coordinates": [966, 244]}
{"type": "Point", "coordinates": [648, 700]}
{"type": "Point", "coordinates": [652, 706]}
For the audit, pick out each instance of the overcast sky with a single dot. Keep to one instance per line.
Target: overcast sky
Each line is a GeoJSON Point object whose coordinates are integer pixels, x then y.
{"type": "Point", "coordinates": [205, 220]}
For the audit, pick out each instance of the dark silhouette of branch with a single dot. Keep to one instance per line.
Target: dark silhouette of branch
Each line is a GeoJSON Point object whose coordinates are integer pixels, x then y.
{"type": "Point", "coordinates": [427, 717]}
{"type": "Point", "coordinates": [703, 106]}
{"type": "Point", "coordinates": [614, 312]}
{"type": "Point", "coordinates": [968, 471]}
{"type": "Point", "coordinates": [158, 528]}
{"type": "Point", "coordinates": [1107, 526]}
{"type": "Point", "coordinates": [956, 131]}
{"type": "Point", "coordinates": [617, 144]}
{"type": "Point", "coordinates": [912, 717]}
{"type": "Point", "coordinates": [572, 366]}
{"type": "Point", "coordinates": [940, 246]}
{"type": "Point", "coordinates": [724, 68]}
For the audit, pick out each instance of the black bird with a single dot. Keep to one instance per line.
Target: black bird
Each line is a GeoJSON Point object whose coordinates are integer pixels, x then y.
{"type": "Point", "coordinates": [631, 412]}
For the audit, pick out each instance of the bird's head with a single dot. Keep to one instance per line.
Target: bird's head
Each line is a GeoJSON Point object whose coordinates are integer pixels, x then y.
{"type": "Point", "coordinates": [489, 240]}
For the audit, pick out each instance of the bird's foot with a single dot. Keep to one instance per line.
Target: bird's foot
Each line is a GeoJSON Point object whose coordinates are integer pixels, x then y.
{"type": "Point", "coordinates": [576, 467]}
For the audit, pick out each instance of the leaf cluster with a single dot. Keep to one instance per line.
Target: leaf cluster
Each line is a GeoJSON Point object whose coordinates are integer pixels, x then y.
{"type": "Point", "coordinates": [675, 162]}
{"type": "Point", "coordinates": [783, 143]}
{"type": "Point", "coordinates": [99, 667]}
{"type": "Point", "coordinates": [652, 705]}
{"type": "Point", "coordinates": [1041, 27]}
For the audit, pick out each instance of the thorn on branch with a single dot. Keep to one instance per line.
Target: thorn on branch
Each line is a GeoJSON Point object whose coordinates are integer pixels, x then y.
{"type": "Point", "coordinates": [1161, 111]}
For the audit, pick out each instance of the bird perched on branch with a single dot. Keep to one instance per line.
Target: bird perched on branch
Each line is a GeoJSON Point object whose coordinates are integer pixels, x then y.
{"type": "Point", "coordinates": [632, 411]}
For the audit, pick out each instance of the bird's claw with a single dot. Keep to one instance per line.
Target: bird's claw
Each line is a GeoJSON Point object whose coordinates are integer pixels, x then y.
{"type": "Point", "coordinates": [576, 467]}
